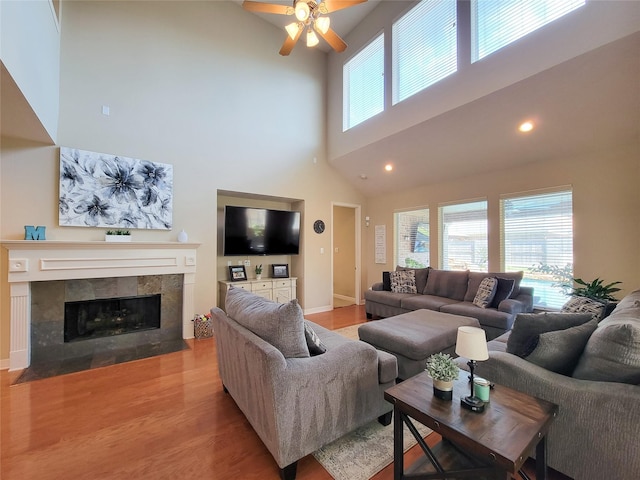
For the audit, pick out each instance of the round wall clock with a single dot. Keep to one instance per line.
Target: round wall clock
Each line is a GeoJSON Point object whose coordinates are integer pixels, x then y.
{"type": "Point", "coordinates": [318, 226]}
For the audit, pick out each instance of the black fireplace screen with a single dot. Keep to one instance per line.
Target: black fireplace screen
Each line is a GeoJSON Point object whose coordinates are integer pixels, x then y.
{"type": "Point", "coordinates": [111, 316]}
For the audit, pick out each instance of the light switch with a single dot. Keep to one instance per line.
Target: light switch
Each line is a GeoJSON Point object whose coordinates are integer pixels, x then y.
{"type": "Point", "coordinates": [321, 250]}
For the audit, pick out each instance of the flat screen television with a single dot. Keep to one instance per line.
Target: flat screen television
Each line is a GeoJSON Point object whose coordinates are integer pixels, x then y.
{"type": "Point", "coordinates": [260, 231]}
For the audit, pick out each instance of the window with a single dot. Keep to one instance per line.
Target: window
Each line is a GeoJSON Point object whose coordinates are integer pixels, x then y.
{"type": "Point", "coordinates": [424, 47]}
{"type": "Point", "coordinates": [463, 236]}
{"type": "Point", "coordinates": [412, 238]}
{"type": "Point", "coordinates": [363, 84]}
{"type": "Point", "coordinates": [495, 24]}
{"type": "Point", "coordinates": [537, 237]}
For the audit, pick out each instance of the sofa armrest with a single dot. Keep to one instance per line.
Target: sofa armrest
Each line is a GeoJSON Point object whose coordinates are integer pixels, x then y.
{"type": "Point", "coordinates": [512, 306]}
{"type": "Point", "coordinates": [526, 297]}
{"type": "Point", "coordinates": [596, 427]}
{"type": "Point", "coordinates": [378, 286]}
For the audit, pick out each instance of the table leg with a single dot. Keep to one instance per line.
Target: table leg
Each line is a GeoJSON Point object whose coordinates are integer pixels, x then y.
{"type": "Point", "coordinates": [541, 459]}
{"type": "Point", "coordinates": [398, 454]}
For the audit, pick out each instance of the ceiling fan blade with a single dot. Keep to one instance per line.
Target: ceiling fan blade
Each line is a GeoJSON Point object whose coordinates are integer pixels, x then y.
{"type": "Point", "coordinates": [289, 43]}
{"type": "Point", "coordinates": [267, 8]}
{"type": "Point", "coordinates": [333, 39]}
{"type": "Point", "coordinates": [328, 6]}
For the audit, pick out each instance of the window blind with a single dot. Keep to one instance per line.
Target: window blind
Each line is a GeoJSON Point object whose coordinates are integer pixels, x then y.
{"type": "Point", "coordinates": [463, 236]}
{"type": "Point", "coordinates": [424, 47]}
{"type": "Point", "coordinates": [537, 238]}
{"type": "Point", "coordinates": [497, 23]}
{"type": "Point", "coordinates": [363, 84]}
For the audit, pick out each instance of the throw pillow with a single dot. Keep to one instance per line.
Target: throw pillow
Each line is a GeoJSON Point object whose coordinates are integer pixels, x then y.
{"type": "Point", "coordinates": [503, 290]}
{"type": "Point", "coordinates": [559, 351]}
{"type": "Point", "coordinates": [612, 353]}
{"type": "Point", "coordinates": [584, 305]}
{"type": "Point", "coordinates": [421, 276]}
{"type": "Point", "coordinates": [486, 292]}
{"type": "Point", "coordinates": [527, 327]}
{"type": "Point", "coordinates": [403, 281]}
{"type": "Point", "coordinates": [282, 325]}
{"type": "Point", "coordinates": [386, 282]}
{"type": "Point", "coordinates": [315, 345]}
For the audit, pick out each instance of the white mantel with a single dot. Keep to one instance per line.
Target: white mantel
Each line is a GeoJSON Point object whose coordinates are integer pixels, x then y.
{"type": "Point", "coordinates": [34, 260]}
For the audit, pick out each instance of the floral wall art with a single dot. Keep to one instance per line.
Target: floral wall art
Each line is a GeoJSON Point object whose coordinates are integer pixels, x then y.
{"type": "Point", "coordinates": [101, 190]}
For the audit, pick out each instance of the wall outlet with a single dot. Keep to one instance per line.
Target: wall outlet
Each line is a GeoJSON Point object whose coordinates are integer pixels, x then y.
{"type": "Point", "coordinates": [247, 263]}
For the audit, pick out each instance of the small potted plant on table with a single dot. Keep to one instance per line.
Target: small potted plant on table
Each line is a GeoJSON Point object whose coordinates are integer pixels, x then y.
{"type": "Point", "coordinates": [443, 370]}
{"type": "Point", "coordinates": [259, 272]}
{"type": "Point", "coordinates": [117, 236]}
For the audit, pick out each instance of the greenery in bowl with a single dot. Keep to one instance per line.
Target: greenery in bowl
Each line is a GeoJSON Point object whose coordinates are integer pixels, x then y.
{"type": "Point", "coordinates": [442, 367]}
{"type": "Point", "coordinates": [118, 232]}
{"type": "Point", "coordinates": [595, 290]}
{"type": "Point", "coordinates": [259, 269]}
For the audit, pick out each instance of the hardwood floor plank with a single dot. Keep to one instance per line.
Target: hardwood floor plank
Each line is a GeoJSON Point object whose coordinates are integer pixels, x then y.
{"type": "Point", "coordinates": [164, 417]}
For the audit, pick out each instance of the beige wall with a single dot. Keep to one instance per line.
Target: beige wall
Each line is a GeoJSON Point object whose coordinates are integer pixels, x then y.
{"type": "Point", "coordinates": [606, 206]}
{"type": "Point", "coordinates": [198, 85]}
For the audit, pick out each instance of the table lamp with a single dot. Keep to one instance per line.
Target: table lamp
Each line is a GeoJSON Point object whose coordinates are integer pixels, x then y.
{"type": "Point", "coordinates": [472, 344]}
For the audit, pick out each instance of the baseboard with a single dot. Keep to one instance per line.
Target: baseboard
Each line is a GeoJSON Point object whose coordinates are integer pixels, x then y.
{"type": "Point", "coordinates": [311, 311]}
{"type": "Point", "coordinates": [345, 298]}
{"type": "Point", "coordinates": [4, 364]}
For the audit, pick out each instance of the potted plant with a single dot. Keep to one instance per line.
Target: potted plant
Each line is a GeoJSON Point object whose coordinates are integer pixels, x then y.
{"type": "Point", "coordinates": [117, 236]}
{"type": "Point", "coordinates": [258, 272]}
{"type": "Point", "coordinates": [443, 370]}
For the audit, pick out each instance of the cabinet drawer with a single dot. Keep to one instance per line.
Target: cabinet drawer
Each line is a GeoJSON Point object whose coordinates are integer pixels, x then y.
{"type": "Point", "coordinates": [281, 283]}
{"type": "Point", "coordinates": [256, 286]}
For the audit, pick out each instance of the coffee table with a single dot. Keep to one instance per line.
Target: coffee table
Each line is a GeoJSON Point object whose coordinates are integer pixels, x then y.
{"type": "Point", "coordinates": [491, 444]}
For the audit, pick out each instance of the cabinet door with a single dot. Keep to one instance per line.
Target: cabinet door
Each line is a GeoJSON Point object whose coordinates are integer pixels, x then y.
{"type": "Point", "coordinates": [282, 295]}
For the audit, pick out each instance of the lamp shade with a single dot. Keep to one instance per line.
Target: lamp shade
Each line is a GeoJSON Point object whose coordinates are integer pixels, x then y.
{"type": "Point", "coordinates": [472, 343]}
{"type": "Point", "coordinates": [292, 29]}
{"type": "Point", "coordinates": [302, 10]}
{"type": "Point", "coordinates": [322, 24]}
{"type": "Point", "coordinates": [312, 38]}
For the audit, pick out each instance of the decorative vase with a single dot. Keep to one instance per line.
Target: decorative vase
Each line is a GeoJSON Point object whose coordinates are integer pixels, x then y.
{"type": "Point", "coordinates": [443, 389]}
{"type": "Point", "coordinates": [117, 238]}
{"type": "Point", "coordinates": [183, 237]}
{"type": "Point", "coordinates": [258, 276]}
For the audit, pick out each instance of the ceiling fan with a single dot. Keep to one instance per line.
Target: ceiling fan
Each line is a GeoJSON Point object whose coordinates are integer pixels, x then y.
{"type": "Point", "coordinates": [309, 16]}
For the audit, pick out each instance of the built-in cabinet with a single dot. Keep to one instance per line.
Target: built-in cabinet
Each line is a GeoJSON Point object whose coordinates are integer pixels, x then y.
{"type": "Point", "coordinates": [281, 290]}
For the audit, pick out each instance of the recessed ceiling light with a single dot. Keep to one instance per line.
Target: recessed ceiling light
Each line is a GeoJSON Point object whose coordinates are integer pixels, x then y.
{"type": "Point", "coordinates": [363, 176]}
{"type": "Point", "coordinates": [526, 126]}
{"type": "Point", "coordinates": [388, 167]}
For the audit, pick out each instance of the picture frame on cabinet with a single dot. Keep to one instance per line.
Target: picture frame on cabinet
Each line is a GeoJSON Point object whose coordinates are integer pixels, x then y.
{"type": "Point", "coordinates": [237, 273]}
{"type": "Point", "coordinates": [280, 270]}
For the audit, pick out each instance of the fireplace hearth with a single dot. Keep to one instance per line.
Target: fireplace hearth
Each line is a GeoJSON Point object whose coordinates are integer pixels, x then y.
{"type": "Point", "coordinates": [87, 319]}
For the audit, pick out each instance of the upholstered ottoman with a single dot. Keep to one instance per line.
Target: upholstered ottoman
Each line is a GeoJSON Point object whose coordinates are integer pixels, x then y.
{"type": "Point", "coordinates": [412, 337]}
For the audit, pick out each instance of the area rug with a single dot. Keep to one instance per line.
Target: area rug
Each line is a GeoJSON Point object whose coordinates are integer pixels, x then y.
{"type": "Point", "coordinates": [361, 454]}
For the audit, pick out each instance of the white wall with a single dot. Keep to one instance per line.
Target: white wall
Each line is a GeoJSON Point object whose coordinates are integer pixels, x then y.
{"type": "Point", "coordinates": [30, 51]}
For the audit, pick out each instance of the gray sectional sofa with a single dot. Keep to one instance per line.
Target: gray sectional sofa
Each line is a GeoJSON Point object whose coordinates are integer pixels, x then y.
{"type": "Point", "coordinates": [595, 434]}
{"type": "Point", "coordinates": [453, 292]}
{"type": "Point", "coordinates": [294, 401]}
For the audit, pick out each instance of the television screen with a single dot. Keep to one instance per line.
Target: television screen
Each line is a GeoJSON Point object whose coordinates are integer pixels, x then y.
{"type": "Point", "coordinates": [260, 231]}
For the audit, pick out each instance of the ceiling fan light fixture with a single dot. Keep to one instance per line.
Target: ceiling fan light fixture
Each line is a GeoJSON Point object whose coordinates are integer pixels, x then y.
{"type": "Point", "coordinates": [292, 30]}
{"type": "Point", "coordinates": [322, 24]}
{"type": "Point", "coordinates": [302, 10]}
{"type": "Point", "coordinates": [312, 38]}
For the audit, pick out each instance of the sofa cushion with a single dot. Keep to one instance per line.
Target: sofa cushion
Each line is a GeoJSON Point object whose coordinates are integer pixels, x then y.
{"type": "Point", "coordinates": [429, 302]}
{"type": "Point", "coordinates": [503, 290]}
{"type": "Point", "coordinates": [584, 305]}
{"type": "Point", "coordinates": [612, 353]}
{"type": "Point", "coordinates": [421, 276]}
{"type": "Point", "coordinates": [387, 298]}
{"type": "Point", "coordinates": [559, 350]}
{"type": "Point", "coordinates": [448, 283]}
{"type": "Point", "coordinates": [527, 328]}
{"type": "Point", "coordinates": [475, 278]}
{"type": "Point", "coordinates": [488, 317]}
{"type": "Point", "coordinates": [314, 344]}
{"type": "Point", "coordinates": [486, 292]}
{"type": "Point", "coordinates": [282, 325]}
{"type": "Point", "coordinates": [403, 281]}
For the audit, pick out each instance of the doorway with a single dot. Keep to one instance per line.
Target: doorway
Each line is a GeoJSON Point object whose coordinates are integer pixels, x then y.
{"type": "Point", "coordinates": [345, 248]}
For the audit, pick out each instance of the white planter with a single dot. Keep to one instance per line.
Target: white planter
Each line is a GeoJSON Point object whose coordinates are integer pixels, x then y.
{"type": "Point", "coordinates": [117, 238]}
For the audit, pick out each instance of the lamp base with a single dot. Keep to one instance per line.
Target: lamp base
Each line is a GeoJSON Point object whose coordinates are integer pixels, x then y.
{"type": "Point", "coordinates": [472, 403]}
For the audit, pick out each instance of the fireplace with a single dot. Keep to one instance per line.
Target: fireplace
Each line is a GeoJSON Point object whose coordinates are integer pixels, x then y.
{"type": "Point", "coordinates": [89, 319]}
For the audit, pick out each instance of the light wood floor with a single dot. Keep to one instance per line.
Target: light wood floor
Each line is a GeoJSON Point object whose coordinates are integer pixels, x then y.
{"type": "Point", "coordinates": [164, 417]}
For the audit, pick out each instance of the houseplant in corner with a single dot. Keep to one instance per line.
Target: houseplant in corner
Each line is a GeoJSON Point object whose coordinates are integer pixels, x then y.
{"type": "Point", "coordinates": [443, 370]}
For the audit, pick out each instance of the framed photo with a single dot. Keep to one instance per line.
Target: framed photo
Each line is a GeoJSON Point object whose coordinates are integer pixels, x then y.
{"type": "Point", "coordinates": [237, 273]}
{"type": "Point", "coordinates": [280, 270]}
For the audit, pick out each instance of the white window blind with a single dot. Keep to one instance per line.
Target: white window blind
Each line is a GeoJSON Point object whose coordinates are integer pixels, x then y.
{"type": "Point", "coordinates": [497, 23]}
{"type": "Point", "coordinates": [363, 84]}
{"type": "Point", "coordinates": [424, 47]}
{"type": "Point", "coordinates": [537, 238]}
{"type": "Point", "coordinates": [463, 236]}
{"type": "Point", "coordinates": [412, 238]}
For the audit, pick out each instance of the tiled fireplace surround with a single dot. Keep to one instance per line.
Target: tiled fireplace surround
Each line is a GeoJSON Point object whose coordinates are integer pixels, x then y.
{"type": "Point", "coordinates": [49, 261]}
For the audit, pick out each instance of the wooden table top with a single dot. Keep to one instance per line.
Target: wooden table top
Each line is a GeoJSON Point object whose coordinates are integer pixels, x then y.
{"type": "Point", "coordinates": [505, 433]}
